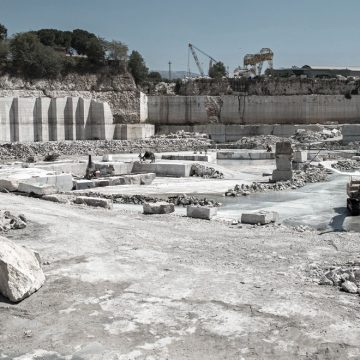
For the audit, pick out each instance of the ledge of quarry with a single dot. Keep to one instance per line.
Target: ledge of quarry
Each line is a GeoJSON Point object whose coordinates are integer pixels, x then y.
{"type": "Point", "coordinates": [119, 91]}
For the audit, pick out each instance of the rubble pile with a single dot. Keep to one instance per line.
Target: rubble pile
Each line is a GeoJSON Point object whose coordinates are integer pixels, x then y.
{"type": "Point", "coordinates": [179, 200]}
{"type": "Point", "coordinates": [346, 165]}
{"type": "Point", "coordinates": [182, 134]}
{"type": "Point", "coordinates": [100, 147]}
{"type": "Point", "coordinates": [308, 136]}
{"type": "Point", "coordinates": [310, 174]}
{"type": "Point", "coordinates": [205, 172]}
{"type": "Point", "coordinates": [258, 142]}
{"type": "Point", "coordinates": [345, 277]}
{"type": "Point", "coordinates": [9, 221]}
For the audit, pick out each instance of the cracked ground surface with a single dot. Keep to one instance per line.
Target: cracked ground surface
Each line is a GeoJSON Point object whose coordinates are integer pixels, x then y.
{"type": "Point", "coordinates": [121, 285]}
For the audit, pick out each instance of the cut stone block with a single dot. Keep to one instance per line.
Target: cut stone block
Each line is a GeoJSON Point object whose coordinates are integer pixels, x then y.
{"type": "Point", "coordinates": [300, 156]}
{"type": "Point", "coordinates": [262, 217]}
{"type": "Point", "coordinates": [107, 158]}
{"type": "Point", "coordinates": [20, 271]}
{"type": "Point", "coordinates": [283, 162]}
{"type": "Point", "coordinates": [279, 175]}
{"type": "Point", "coordinates": [94, 201]}
{"type": "Point", "coordinates": [61, 182]}
{"type": "Point", "coordinates": [83, 184]}
{"type": "Point", "coordinates": [55, 198]}
{"type": "Point", "coordinates": [163, 169]}
{"type": "Point", "coordinates": [201, 212]}
{"type": "Point", "coordinates": [101, 182]}
{"type": "Point", "coordinates": [283, 147]}
{"type": "Point", "coordinates": [37, 189]}
{"type": "Point", "coordinates": [111, 167]}
{"type": "Point", "coordinates": [158, 208]}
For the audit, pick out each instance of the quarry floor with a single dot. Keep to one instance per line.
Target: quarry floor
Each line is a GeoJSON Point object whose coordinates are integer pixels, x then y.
{"type": "Point", "coordinates": [122, 285]}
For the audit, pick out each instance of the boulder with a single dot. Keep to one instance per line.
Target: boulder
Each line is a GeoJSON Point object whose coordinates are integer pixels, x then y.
{"type": "Point", "coordinates": [20, 271]}
{"type": "Point", "coordinates": [349, 287]}
{"type": "Point", "coordinates": [261, 217]}
{"type": "Point", "coordinates": [161, 207]}
{"type": "Point", "coordinates": [201, 212]}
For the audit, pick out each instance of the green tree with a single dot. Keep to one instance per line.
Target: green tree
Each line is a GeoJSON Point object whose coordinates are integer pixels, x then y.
{"type": "Point", "coordinates": [217, 70]}
{"type": "Point", "coordinates": [115, 50]}
{"type": "Point", "coordinates": [3, 32]}
{"type": "Point", "coordinates": [137, 67]}
{"type": "Point", "coordinates": [4, 51]}
{"type": "Point", "coordinates": [154, 76]}
{"type": "Point", "coordinates": [34, 59]}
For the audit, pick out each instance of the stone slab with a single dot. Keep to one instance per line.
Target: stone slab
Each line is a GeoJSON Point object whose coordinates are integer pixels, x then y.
{"type": "Point", "coordinates": [37, 189]}
{"type": "Point", "coordinates": [83, 184]}
{"type": "Point", "coordinates": [262, 217]}
{"type": "Point", "coordinates": [283, 147]}
{"type": "Point", "coordinates": [201, 212]}
{"type": "Point", "coordinates": [163, 169]}
{"type": "Point", "coordinates": [210, 157]}
{"type": "Point", "coordinates": [94, 201]}
{"type": "Point", "coordinates": [158, 208]}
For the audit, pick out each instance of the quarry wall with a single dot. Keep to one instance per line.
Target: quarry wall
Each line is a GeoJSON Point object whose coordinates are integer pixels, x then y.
{"type": "Point", "coordinates": [119, 91]}
{"type": "Point", "coordinates": [46, 119]}
{"type": "Point", "coordinates": [251, 110]}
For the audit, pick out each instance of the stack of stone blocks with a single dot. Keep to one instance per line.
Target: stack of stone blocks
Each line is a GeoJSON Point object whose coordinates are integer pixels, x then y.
{"type": "Point", "coordinates": [283, 157]}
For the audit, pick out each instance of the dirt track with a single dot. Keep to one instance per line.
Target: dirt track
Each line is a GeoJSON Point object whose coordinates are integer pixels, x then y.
{"type": "Point", "coordinates": [124, 286]}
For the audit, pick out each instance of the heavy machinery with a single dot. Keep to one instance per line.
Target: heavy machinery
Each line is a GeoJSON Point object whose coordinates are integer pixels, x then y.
{"type": "Point", "coordinates": [192, 49]}
{"type": "Point", "coordinates": [256, 61]}
{"type": "Point", "coordinates": [353, 192]}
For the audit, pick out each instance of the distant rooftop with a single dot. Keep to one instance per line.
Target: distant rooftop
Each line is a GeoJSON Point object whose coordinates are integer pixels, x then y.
{"type": "Point", "coordinates": [315, 67]}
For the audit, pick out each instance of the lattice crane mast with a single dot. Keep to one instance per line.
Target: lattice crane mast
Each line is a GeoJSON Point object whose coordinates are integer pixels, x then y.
{"type": "Point", "coordinates": [192, 48]}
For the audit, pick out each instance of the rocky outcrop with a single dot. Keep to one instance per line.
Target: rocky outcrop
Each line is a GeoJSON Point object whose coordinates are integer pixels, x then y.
{"type": "Point", "coordinates": [20, 271]}
{"type": "Point", "coordinates": [118, 91]}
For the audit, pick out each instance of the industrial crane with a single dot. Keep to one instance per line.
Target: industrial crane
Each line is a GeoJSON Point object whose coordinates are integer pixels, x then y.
{"type": "Point", "coordinates": [256, 61]}
{"type": "Point", "coordinates": [192, 48]}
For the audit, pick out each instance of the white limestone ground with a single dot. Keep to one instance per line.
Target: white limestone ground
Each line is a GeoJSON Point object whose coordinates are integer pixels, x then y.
{"type": "Point", "coordinates": [122, 285]}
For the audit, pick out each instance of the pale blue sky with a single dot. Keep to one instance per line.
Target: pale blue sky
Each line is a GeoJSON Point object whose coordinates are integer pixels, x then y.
{"type": "Point", "coordinates": [315, 32]}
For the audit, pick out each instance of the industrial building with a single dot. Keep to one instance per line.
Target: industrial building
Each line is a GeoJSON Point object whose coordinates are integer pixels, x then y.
{"type": "Point", "coordinates": [317, 71]}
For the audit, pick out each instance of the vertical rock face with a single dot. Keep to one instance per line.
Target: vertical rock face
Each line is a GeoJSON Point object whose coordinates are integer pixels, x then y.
{"type": "Point", "coordinates": [54, 119]}
{"type": "Point", "coordinates": [20, 271]}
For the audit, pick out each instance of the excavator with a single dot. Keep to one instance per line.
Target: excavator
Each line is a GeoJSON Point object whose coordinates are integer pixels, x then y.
{"type": "Point", "coordinates": [353, 192]}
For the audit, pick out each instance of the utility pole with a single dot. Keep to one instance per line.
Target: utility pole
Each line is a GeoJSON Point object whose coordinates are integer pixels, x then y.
{"type": "Point", "coordinates": [169, 70]}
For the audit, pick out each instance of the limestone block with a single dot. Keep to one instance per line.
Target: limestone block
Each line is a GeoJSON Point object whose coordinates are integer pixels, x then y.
{"type": "Point", "coordinates": [158, 208]}
{"type": "Point", "coordinates": [5, 114]}
{"type": "Point", "coordinates": [61, 182]}
{"type": "Point", "coordinates": [282, 175]}
{"type": "Point", "coordinates": [83, 118]}
{"type": "Point", "coordinates": [42, 107]}
{"type": "Point", "coordinates": [20, 271]}
{"type": "Point", "coordinates": [283, 147]}
{"type": "Point", "coordinates": [100, 126]}
{"type": "Point", "coordinates": [37, 189]}
{"type": "Point", "coordinates": [162, 169]}
{"type": "Point", "coordinates": [83, 184]}
{"type": "Point", "coordinates": [262, 217]}
{"type": "Point", "coordinates": [94, 201]}
{"type": "Point", "coordinates": [24, 129]}
{"type": "Point", "coordinates": [101, 182]}
{"type": "Point", "coordinates": [201, 212]}
{"type": "Point", "coordinates": [147, 179]}
{"type": "Point", "coordinates": [61, 199]}
{"type": "Point", "coordinates": [57, 119]}
{"type": "Point", "coordinates": [107, 158]}
{"type": "Point", "coordinates": [133, 131]}
{"type": "Point", "coordinates": [70, 118]}
{"type": "Point", "coordinates": [283, 162]}
{"type": "Point", "coordinates": [300, 156]}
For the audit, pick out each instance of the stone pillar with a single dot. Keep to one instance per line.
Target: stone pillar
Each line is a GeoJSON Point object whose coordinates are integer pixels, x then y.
{"type": "Point", "coordinates": [283, 156]}
{"type": "Point", "coordinates": [56, 119]}
{"type": "Point", "coordinates": [5, 108]}
{"type": "Point", "coordinates": [82, 118]}
{"type": "Point", "coordinates": [24, 124]}
{"type": "Point", "coordinates": [70, 118]}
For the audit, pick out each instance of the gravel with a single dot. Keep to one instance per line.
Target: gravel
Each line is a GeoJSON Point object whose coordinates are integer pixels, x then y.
{"type": "Point", "coordinates": [310, 174]}
{"type": "Point", "coordinates": [346, 165]}
{"type": "Point", "coordinates": [39, 150]}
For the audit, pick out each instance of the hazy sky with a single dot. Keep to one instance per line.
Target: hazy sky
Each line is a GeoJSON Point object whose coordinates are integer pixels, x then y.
{"type": "Point", "coordinates": [315, 32]}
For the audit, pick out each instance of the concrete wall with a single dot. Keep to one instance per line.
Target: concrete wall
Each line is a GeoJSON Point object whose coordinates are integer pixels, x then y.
{"type": "Point", "coordinates": [250, 110]}
{"type": "Point", "coordinates": [56, 119]}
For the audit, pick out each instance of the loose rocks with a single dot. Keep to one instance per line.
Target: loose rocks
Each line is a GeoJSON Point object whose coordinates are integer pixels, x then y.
{"type": "Point", "coordinates": [346, 165]}
{"type": "Point", "coordinates": [9, 221]}
{"type": "Point", "coordinates": [158, 208]}
{"type": "Point", "coordinates": [205, 172]}
{"type": "Point", "coordinates": [20, 271]}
